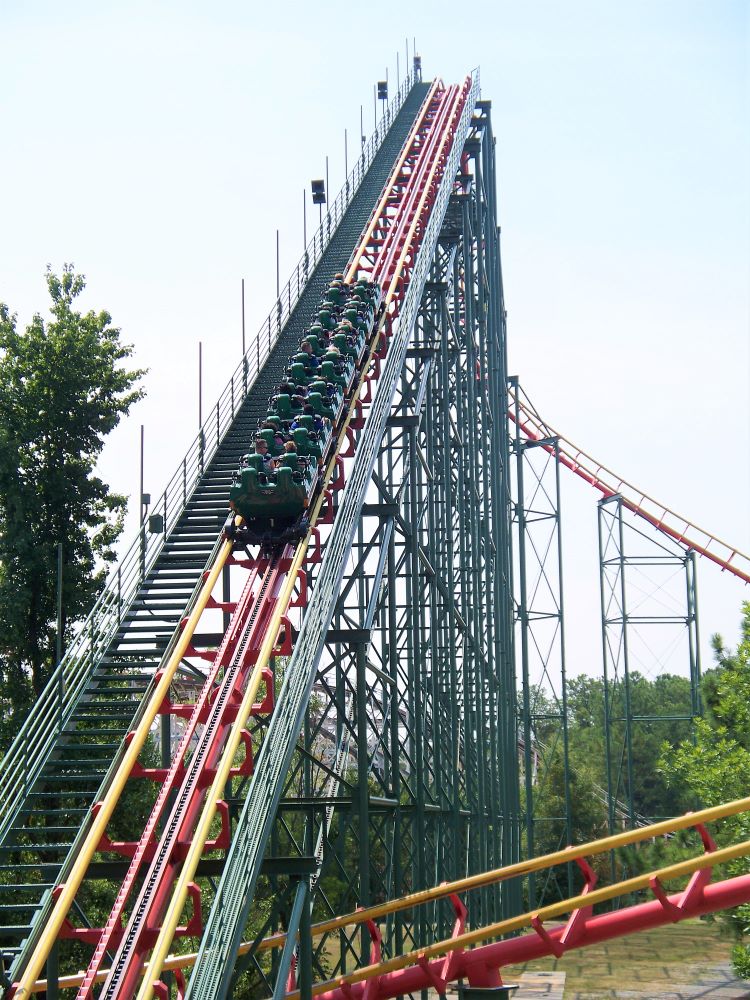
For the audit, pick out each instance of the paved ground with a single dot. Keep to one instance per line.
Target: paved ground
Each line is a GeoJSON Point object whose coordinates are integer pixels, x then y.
{"type": "Point", "coordinates": [687, 961]}
{"type": "Point", "coordinates": [532, 986]}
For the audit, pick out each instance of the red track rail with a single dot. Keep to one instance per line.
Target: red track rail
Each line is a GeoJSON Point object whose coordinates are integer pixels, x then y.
{"type": "Point", "coordinates": [387, 253]}
{"type": "Point", "coordinates": [215, 710]}
{"type": "Point", "coordinates": [687, 534]}
{"type": "Point", "coordinates": [481, 966]}
{"type": "Point", "coordinates": [394, 235]}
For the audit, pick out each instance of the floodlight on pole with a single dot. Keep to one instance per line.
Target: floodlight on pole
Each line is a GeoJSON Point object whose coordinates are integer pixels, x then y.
{"type": "Point", "coordinates": [319, 195]}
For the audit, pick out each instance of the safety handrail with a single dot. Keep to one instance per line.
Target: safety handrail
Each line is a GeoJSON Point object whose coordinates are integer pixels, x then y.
{"type": "Point", "coordinates": [609, 484]}
{"type": "Point", "coordinates": [534, 918]}
{"type": "Point", "coordinates": [520, 869]}
{"type": "Point", "coordinates": [53, 709]}
{"type": "Point", "coordinates": [242, 866]}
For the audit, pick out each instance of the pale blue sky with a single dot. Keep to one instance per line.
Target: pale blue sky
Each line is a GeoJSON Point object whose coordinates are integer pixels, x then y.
{"type": "Point", "coordinates": [159, 146]}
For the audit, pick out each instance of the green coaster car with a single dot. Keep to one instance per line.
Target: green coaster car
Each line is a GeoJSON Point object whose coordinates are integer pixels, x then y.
{"type": "Point", "coordinates": [273, 498]}
{"type": "Point", "coordinates": [274, 503]}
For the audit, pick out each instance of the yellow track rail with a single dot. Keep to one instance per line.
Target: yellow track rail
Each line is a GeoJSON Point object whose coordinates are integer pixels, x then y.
{"type": "Point", "coordinates": [29, 980]}
{"type": "Point", "coordinates": [171, 918]}
{"type": "Point", "coordinates": [522, 868]}
{"type": "Point", "coordinates": [511, 924]}
{"type": "Point", "coordinates": [70, 887]}
{"type": "Point", "coordinates": [351, 272]}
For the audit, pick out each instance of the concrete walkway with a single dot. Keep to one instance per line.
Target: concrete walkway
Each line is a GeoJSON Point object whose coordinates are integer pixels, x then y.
{"type": "Point", "coordinates": [687, 961]}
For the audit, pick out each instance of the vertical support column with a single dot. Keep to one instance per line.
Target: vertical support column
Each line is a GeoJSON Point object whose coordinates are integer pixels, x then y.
{"type": "Point", "coordinates": [53, 973]}
{"type": "Point", "coordinates": [363, 792]}
{"type": "Point", "coordinates": [395, 742]}
{"type": "Point", "coordinates": [636, 563]}
{"type": "Point", "coordinates": [540, 614]}
{"type": "Point", "coordinates": [691, 586]}
{"type": "Point", "coordinates": [305, 977]}
{"type": "Point", "coordinates": [500, 512]}
{"type": "Point", "coordinates": [415, 677]}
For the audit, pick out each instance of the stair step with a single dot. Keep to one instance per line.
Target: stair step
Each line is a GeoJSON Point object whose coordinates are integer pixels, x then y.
{"type": "Point", "coordinates": [26, 886]}
{"type": "Point", "coordinates": [48, 848]}
{"type": "Point", "coordinates": [147, 628]}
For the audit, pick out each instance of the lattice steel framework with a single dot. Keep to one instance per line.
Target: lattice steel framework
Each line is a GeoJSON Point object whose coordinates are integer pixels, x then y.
{"type": "Point", "coordinates": [649, 617]}
{"type": "Point", "coordinates": [406, 772]}
{"type": "Point", "coordinates": [543, 712]}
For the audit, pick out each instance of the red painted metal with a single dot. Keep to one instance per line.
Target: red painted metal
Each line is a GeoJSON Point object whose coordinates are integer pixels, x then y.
{"type": "Point", "coordinates": [398, 225]}
{"type": "Point", "coordinates": [388, 257]}
{"type": "Point", "coordinates": [481, 966]}
{"type": "Point", "coordinates": [235, 658]}
{"type": "Point", "coordinates": [577, 463]}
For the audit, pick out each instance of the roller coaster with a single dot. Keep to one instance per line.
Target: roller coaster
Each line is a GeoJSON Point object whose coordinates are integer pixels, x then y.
{"type": "Point", "coordinates": [317, 687]}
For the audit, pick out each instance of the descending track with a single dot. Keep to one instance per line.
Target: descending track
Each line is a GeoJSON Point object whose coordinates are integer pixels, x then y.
{"type": "Point", "coordinates": [180, 611]}
{"type": "Point", "coordinates": [467, 955]}
{"type": "Point", "coordinates": [398, 225]}
{"type": "Point", "coordinates": [609, 484]}
{"type": "Point", "coordinates": [67, 751]}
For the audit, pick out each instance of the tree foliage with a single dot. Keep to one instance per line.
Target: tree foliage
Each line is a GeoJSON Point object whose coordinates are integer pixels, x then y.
{"type": "Point", "coordinates": [652, 702]}
{"type": "Point", "coordinates": [715, 767]}
{"type": "Point", "coordinates": [63, 388]}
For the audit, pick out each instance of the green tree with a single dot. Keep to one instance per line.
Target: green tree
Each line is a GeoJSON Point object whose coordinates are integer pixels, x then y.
{"type": "Point", "coordinates": [653, 700]}
{"type": "Point", "coordinates": [716, 766]}
{"type": "Point", "coordinates": [63, 388]}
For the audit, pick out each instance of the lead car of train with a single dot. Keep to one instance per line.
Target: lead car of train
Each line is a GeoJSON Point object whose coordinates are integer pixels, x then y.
{"type": "Point", "coordinates": [279, 478]}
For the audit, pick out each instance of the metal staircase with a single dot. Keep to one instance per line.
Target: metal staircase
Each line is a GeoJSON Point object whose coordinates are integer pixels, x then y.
{"type": "Point", "coordinates": [59, 765]}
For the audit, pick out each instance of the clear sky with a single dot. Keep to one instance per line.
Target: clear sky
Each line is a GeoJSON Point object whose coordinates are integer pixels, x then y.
{"type": "Point", "coordinates": [159, 146]}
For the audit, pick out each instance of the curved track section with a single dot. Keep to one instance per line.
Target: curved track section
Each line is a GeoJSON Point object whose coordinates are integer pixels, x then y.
{"type": "Point", "coordinates": [609, 484]}
{"type": "Point", "coordinates": [476, 955]}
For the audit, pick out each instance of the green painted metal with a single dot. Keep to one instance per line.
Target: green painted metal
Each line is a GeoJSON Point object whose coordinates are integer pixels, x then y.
{"type": "Point", "coordinates": [632, 561]}
{"type": "Point", "coordinates": [541, 622]}
{"type": "Point", "coordinates": [61, 761]}
{"type": "Point", "coordinates": [417, 661]}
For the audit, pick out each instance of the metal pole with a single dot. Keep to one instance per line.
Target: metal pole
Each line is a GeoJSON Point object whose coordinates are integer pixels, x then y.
{"type": "Point", "coordinates": [277, 265]}
{"type": "Point", "coordinates": [523, 613]}
{"type": "Point", "coordinates": [626, 663]}
{"type": "Point", "coordinates": [363, 792]}
{"type": "Point", "coordinates": [563, 669]}
{"type": "Point", "coordinates": [142, 519]}
{"type": "Point", "coordinates": [694, 636]}
{"type": "Point", "coordinates": [305, 944]}
{"type": "Point", "coordinates": [362, 125]}
{"type": "Point", "coordinates": [328, 191]}
{"type": "Point", "coordinates": [243, 318]}
{"type": "Point", "coordinates": [59, 641]}
{"type": "Point", "coordinates": [53, 973]}
{"type": "Point", "coordinates": [346, 159]}
{"type": "Point", "coordinates": [200, 385]}
{"type": "Point", "coordinates": [602, 513]}
{"type": "Point", "coordinates": [140, 495]}
{"type": "Point", "coordinates": [304, 219]}
{"type": "Point", "coordinates": [59, 637]}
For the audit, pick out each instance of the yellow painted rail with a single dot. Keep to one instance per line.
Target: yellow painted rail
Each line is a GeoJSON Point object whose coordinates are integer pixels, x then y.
{"type": "Point", "coordinates": [502, 927]}
{"type": "Point", "coordinates": [163, 943]}
{"type": "Point", "coordinates": [601, 846]}
{"type": "Point", "coordinates": [70, 887]}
